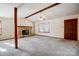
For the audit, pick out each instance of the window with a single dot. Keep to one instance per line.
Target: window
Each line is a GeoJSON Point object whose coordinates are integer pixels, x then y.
{"type": "Point", "coordinates": [0, 27]}
{"type": "Point", "coordinates": [44, 27]}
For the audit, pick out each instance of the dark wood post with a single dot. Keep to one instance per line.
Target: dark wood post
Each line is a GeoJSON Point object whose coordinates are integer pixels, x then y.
{"type": "Point", "coordinates": [15, 28]}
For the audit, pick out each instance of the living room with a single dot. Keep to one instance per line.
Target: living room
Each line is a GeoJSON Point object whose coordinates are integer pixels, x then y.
{"type": "Point", "coordinates": [35, 28]}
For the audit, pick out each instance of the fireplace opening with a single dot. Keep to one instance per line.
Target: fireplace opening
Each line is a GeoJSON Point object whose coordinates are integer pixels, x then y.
{"type": "Point", "coordinates": [25, 32]}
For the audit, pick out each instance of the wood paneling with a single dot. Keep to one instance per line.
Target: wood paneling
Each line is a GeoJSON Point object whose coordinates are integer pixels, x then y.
{"type": "Point", "coordinates": [71, 29]}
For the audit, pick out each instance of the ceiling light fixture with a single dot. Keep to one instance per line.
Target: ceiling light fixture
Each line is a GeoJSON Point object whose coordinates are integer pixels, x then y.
{"type": "Point", "coordinates": [41, 18]}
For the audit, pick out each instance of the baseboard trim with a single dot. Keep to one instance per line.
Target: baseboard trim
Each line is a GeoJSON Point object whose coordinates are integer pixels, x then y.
{"type": "Point", "coordinates": [33, 35]}
{"type": "Point", "coordinates": [13, 38]}
{"type": "Point", "coordinates": [6, 39]}
{"type": "Point", "coordinates": [54, 37]}
{"type": "Point", "coordinates": [50, 36]}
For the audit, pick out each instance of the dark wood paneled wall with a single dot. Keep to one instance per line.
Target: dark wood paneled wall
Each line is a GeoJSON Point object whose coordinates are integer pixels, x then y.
{"type": "Point", "coordinates": [71, 29]}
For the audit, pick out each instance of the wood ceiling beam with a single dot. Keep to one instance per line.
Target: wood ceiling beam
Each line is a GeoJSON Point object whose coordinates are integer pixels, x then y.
{"type": "Point", "coordinates": [53, 5]}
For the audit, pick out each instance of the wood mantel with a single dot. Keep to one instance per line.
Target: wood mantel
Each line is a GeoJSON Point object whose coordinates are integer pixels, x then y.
{"type": "Point", "coordinates": [27, 27]}
{"type": "Point", "coordinates": [24, 28]}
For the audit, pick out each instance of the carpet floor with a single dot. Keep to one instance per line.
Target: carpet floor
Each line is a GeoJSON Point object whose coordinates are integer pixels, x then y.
{"type": "Point", "coordinates": [40, 46]}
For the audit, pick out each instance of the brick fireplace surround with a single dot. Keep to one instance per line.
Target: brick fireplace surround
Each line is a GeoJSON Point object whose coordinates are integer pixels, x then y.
{"type": "Point", "coordinates": [22, 31]}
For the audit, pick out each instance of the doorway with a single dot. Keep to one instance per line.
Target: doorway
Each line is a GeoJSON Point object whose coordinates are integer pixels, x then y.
{"type": "Point", "coordinates": [71, 29]}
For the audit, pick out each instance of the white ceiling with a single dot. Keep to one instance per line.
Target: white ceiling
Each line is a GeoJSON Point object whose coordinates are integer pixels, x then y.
{"type": "Point", "coordinates": [30, 8]}
{"type": "Point", "coordinates": [6, 9]}
{"type": "Point", "coordinates": [25, 9]}
{"type": "Point", "coordinates": [65, 9]}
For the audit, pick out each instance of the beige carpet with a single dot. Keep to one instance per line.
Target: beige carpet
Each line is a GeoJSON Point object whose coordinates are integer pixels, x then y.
{"type": "Point", "coordinates": [39, 46]}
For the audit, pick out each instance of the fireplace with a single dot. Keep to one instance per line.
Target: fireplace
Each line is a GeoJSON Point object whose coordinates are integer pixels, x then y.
{"type": "Point", "coordinates": [25, 32]}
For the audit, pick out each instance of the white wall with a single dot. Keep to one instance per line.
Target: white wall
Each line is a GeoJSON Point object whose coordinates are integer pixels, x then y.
{"type": "Point", "coordinates": [8, 27]}
{"type": "Point", "coordinates": [56, 26]}
{"type": "Point", "coordinates": [25, 22]}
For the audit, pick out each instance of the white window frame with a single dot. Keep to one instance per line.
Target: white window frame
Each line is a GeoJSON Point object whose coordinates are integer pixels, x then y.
{"type": "Point", "coordinates": [44, 27]}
